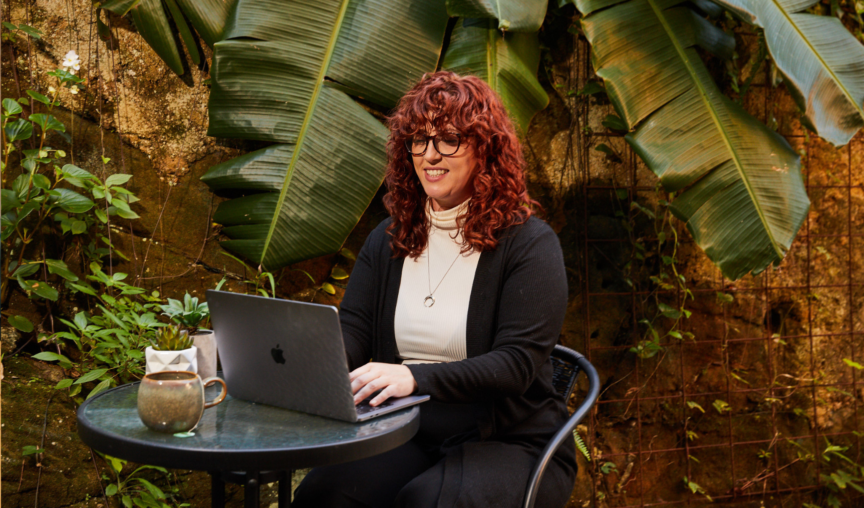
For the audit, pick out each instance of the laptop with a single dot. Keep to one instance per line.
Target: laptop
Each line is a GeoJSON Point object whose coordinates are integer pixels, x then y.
{"type": "Point", "coordinates": [289, 354]}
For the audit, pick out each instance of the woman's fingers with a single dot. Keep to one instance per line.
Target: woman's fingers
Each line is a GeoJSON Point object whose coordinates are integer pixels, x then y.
{"type": "Point", "coordinates": [359, 371]}
{"type": "Point", "coordinates": [381, 397]}
{"type": "Point", "coordinates": [392, 380]}
{"type": "Point", "coordinates": [368, 389]}
{"type": "Point", "coordinates": [357, 383]}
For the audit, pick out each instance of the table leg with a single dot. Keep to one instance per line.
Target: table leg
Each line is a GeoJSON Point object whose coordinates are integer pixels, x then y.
{"type": "Point", "coordinates": [285, 489]}
{"type": "Point", "coordinates": [217, 490]}
{"type": "Point", "coordinates": [251, 490]}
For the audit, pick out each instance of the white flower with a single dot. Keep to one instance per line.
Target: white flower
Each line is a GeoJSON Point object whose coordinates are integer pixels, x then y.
{"type": "Point", "coordinates": [51, 89]}
{"type": "Point", "coordinates": [73, 89]}
{"type": "Point", "coordinates": [71, 61]}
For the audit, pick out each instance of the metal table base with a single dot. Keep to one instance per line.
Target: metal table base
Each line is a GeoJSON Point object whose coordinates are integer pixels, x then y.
{"type": "Point", "coordinates": [251, 481]}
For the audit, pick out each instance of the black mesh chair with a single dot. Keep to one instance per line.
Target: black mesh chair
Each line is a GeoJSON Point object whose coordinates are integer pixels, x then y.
{"type": "Point", "coordinates": [566, 364]}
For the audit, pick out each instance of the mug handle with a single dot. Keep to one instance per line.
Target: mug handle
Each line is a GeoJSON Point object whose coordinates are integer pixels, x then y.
{"type": "Point", "coordinates": [209, 381]}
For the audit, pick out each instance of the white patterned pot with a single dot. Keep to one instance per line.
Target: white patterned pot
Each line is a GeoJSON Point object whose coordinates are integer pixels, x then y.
{"type": "Point", "coordinates": [161, 361]}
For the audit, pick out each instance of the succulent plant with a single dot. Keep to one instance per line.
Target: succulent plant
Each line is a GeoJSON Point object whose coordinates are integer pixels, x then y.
{"type": "Point", "coordinates": [172, 338]}
{"type": "Point", "coordinates": [189, 313]}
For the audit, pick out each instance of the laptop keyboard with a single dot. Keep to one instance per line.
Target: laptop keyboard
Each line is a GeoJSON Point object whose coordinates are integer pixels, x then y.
{"type": "Point", "coordinates": [364, 407]}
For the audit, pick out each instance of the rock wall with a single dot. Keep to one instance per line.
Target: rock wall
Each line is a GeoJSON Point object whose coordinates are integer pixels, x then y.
{"type": "Point", "coordinates": [760, 352]}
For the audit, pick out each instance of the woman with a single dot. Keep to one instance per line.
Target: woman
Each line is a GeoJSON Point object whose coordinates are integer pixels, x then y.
{"type": "Point", "coordinates": [460, 295]}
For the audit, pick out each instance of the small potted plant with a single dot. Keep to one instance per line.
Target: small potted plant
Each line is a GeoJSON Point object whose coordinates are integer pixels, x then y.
{"type": "Point", "coordinates": [172, 350]}
{"type": "Point", "coordinates": [191, 315]}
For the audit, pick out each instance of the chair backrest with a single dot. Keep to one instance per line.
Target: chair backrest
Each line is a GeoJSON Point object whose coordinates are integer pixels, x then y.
{"type": "Point", "coordinates": [565, 370]}
{"type": "Point", "coordinates": [567, 365]}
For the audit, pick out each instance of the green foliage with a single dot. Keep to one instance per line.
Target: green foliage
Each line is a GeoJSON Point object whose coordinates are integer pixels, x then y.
{"type": "Point", "coordinates": [704, 147]}
{"type": "Point", "coordinates": [656, 261]}
{"type": "Point", "coordinates": [188, 313]}
{"type": "Point", "coordinates": [50, 208]}
{"type": "Point", "coordinates": [303, 196]}
{"type": "Point", "coordinates": [12, 31]}
{"type": "Point", "coordinates": [695, 488]}
{"type": "Point", "coordinates": [848, 474]}
{"type": "Point", "coordinates": [153, 19]}
{"type": "Point", "coordinates": [507, 61]}
{"type": "Point", "coordinates": [611, 154]}
{"type": "Point", "coordinates": [262, 277]}
{"type": "Point", "coordinates": [694, 405]}
{"type": "Point", "coordinates": [172, 338]}
{"type": "Point", "coordinates": [50, 205]}
{"type": "Point", "coordinates": [31, 450]}
{"type": "Point", "coordinates": [838, 477]}
{"type": "Point", "coordinates": [721, 406]}
{"type": "Point", "coordinates": [852, 364]}
{"type": "Point", "coordinates": [111, 342]}
{"type": "Point", "coordinates": [615, 123]}
{"type": "Point", "coordinates": [816, 55]}
{"type": "Point", "coordinates": [733, 70]}
{"type": "Point", "coordinates": [580, 445]}
{"type": "Point", "coordinates": [509, 15]}
{"type": "Point", "coordinates": [133, 490]}
{"type": "Point", "coordinates": [21, 323]}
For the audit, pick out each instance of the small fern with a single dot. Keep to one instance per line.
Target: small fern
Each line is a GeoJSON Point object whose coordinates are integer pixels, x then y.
{"type": "Point", "coordinates": [581, 446]}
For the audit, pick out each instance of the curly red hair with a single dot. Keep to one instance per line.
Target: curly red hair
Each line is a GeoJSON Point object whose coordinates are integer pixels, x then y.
{"type": "Point", "coordinates": [447, 101]}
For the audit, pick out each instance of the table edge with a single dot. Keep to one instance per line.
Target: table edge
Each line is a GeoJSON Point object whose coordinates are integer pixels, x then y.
{"type": "Point", "coordinates": [258, 459]}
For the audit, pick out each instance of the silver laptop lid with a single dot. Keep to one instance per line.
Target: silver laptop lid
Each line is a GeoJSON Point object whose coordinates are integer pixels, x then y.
{"type": "Point", "coordinates": [283, 353]}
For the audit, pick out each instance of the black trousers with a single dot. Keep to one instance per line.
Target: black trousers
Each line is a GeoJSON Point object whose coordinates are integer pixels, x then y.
{"type": "Point", "coordinates": [414, 474]}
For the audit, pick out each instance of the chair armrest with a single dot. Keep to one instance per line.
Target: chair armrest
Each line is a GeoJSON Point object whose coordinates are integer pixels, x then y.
{"type": "Point", "coordinates": [565, 431]}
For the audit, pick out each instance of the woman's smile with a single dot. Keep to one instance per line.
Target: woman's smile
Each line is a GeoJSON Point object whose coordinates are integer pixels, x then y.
{"type": "Point", "coordinates": [435, 174]}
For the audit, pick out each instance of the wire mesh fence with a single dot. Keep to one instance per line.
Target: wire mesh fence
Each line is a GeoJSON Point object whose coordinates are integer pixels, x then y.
{"type": "Point", "coordinates": [744, 400]}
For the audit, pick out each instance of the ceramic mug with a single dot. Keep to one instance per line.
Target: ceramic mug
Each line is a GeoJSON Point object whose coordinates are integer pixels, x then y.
{"type": "Point", "coordinates": [174, 402]}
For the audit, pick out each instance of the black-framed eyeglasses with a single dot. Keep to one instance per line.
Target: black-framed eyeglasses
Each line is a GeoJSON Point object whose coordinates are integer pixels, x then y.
{"type": "Point", "coordinates": [445, 144]}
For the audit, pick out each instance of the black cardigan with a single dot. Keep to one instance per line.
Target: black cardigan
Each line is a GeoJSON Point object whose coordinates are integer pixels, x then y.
{"type": "Point", "coordinates": [515, 314]}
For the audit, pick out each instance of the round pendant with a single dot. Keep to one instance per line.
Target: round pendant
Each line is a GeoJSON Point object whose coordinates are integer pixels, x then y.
{"type": "Point", "coordinates": [429, 301]}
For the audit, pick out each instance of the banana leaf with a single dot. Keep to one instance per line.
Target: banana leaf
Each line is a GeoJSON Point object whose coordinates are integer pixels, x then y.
{"type": "Point", "coordinates": [739, 184]}
{"type": "Point", "coordinates": [208, 17]}
{"type": "Point", "coordinates": [823, 63]}
{"type": "Point", "coordinates": [119, 7]}
{"type": "Point", "coordinates": [512, 15]}
{"type": "Point", "coordinates": [152, 23]}
{"type": "Point", "coordinates": [281, 75]}
{"type": "Point", "coordinates": [707, 7]}
{"type": "Point", "coordinates": [507, 61]}
{"type": "Point", "coordinates": [184, 31]}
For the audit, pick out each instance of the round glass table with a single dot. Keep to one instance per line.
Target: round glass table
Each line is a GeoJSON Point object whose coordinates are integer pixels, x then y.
{"type": "Point", "coordinates": [239, 441]}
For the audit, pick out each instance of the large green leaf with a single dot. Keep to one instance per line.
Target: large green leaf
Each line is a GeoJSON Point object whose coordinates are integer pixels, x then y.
{"type": "Point", "coordinates": [507, 61]}
{"type": "Point", "coordinates": [208, 17]}
{"type": "Point", "coordinates": [281, 75]}
{"type": "Point", "coordinates": [741, 191]}
{"type": "Point", "coordinates": [152, 23]}
{"type": "Point", "coordinates": [70, 200]}
{"type": "Point", "coordinates": [513, 15]}
{"type": "Point", "coordinates": [184, 31]}
{"type": "Point", "coordinates": [823, 62]}
{"type": "Point", "coordinates": [119, 7]}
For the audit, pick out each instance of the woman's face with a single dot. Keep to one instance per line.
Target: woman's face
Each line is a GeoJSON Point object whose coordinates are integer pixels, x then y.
{"type": "Point", "coordinates": [448, 180]}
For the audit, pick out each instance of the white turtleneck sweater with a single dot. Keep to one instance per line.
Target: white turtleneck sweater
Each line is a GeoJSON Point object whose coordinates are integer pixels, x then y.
{"type": "Point", "coordinates": [437, 333]}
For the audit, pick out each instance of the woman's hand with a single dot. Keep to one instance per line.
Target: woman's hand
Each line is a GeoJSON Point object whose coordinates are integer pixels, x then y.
{"type": "Point", "coordinates": [392, 380]}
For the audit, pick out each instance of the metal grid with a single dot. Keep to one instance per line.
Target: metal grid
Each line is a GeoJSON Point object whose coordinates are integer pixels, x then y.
{"type": "Point", "coordinates": [775, 482]}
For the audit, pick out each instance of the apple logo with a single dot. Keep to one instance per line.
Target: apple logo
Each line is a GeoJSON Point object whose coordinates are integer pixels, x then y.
{"type": "Point", "coordinates": [277, 354]}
